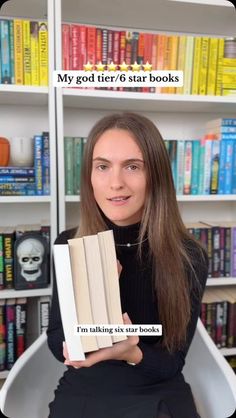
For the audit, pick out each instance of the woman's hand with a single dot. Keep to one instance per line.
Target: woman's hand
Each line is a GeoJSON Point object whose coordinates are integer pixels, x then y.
{"type": "Point", "coordinates": [126, 350]}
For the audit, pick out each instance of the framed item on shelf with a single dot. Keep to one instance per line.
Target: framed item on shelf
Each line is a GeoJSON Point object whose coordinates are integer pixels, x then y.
{"type": "Point", "coordinates": [31, 261]}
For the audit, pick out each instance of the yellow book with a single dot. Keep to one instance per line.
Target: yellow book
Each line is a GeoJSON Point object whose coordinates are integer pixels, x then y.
{"type": "Point", "coordinates": [188, 67]}
{"type": "Point", "coordinates": [27, 52]}
{"type": "Point", "coordinates": [196, 64]}
{"type": "Point", "coordinates": [34, 53]}
{"type": "Point", "coordinates": [204, 66]}
{"type": "Point", "coordinates": [43, 53]}
{"type": "Point", "coordinates": [212, 66]}
{"type": "Point", "coordinates": [181, 59]}
{"type": "Point", "coordinates": [229, 62]}
{"type": "Point", "coordinates": [173, 59]}
{"type": "Point", "coordinates": [18, 51]}
{"type": "Point", "coordinates": [220, 67]}
{"type": "Point", "coordinates": [229, 92]}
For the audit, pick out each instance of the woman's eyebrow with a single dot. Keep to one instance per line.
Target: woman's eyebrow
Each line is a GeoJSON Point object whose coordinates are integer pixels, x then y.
{"type": "Point", "coordinates": [129, 160]}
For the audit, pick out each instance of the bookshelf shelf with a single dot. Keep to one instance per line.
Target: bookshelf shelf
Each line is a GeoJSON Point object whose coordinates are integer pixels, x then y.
{"type": "Point", "coordinates": [221, 281]}
{"type": "Point", "coordinates": [228, 351]}
{"type": "Point", "coordinates": [89, 99]}
{"type": "Point", "coordinates": [25, 199]}
{"type": "Point", "coordinates": [28, 95]}
{"type": "Point", "coordinates": [11, 293]}
{"type": "Point", "coordinates": [186, 198]}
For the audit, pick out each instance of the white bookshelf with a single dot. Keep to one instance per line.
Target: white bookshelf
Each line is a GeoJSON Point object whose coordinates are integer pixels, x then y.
{"type": "Point", "coordinates": [176, 116]}
{"type": "Point", "coordinates": [27, 111]}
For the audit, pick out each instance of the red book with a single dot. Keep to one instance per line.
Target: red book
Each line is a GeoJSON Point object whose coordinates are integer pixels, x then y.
{"type": "Point", "coordinates": [99, 46]}
{"type": "Point", "coordinates": [91, 45]}
{"type": "Point", "coordinates": [20, 317]}
{"type": "Point", "coordinates": [147, 56]}
{"type": "Point", "coordinates": [65, 47]}
{"type": "Point", "coordinates": [75, 47]}
{"type": "Point", "coordinates": [83, 46]}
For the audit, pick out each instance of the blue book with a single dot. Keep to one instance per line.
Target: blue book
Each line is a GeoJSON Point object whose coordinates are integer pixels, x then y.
{"type": "Point", "coordinates": [228, 166]}
{"type": "Point", "coordinates": [12, 55]}
{"type": "Point", "coordinates": [46, 164]}
{"type": "Point", "coordinates": [228, 136]}
{"type": "Point", "coordinates": [15, 171]}
{"type": "Point", "coordinates": [173, 144]}
{"type": "Point", "coordinates": [180, 168]}
{"type": "Point", "coordinates": [38, 163]}
{"type": "Point", "coordinates": [5, 52]}
{"type": "Point", "coordinates": [201, 166]}
{"type": "Point", "coordinates": [207, 167]}
{"type": "Point", "coordinates": [215, 155]}
{"type": "Point", "coordinates": [222, 162]}
{"type": "Point", "coordinates": [14, 179]}
{"type": "Point", "coordinates": [195, 166]}
{"type": "Point", "coordinates": [233, 191]}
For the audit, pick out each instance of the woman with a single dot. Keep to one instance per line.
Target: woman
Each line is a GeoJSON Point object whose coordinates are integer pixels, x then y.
{"type": "Point", "coordinates": [127, 186]}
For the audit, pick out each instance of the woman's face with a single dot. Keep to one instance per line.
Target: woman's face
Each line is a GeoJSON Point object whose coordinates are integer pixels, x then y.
{"type": "Point", "coordinates": [118, 177]}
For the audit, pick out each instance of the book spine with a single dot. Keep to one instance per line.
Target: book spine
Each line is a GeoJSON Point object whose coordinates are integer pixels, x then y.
{"type": "Point", "coordinates": [98, 45]}
{"type": "Point", "coordinates": [233, 251]}
{"type": "Point", "coordinates": [228, 167]}
{"type": "Point", "coordinates": [12, 57]}
{"type": "Point", "coordinates": [46, 164]}
{"type": "Point", "coordinates": [91, 45]}
{"type": "Point", "coordinates": [78, 153]}
{"type": "Point", "coordinates": [233, 189]}
{"type": "Point", "coordinates": [26, 52]}
{"type": "Point", "coordinates": [69, 166]}
{"type": "Point", "coordinates": [65, 47]}
{"type": "Point", "coordinates": [17, 189]}
{"type": "Point", "coordinates": [222, 251]}
{"type": "Point", "coordinates": [214, 167]}
{"type": "Point", "coordinates": [207, 167]}
{"type": "Point", "coordinates": [222, 163]}
{"type": "Point", "coordinates": [216, 251]}
{"type": "Point", "coordinates": [230, 324]}
{"type": "Point", "coordinates": [180, 168]}
{"type": "Point", "coordinates": [2, 335]}
{"type": "Point", "coordinates": [83, 50]}
{"type": "Point", "coordinates": [8, 254]}
{"type": "Point", "coordinates": [212, 66]}
{"type": "Point", "coordinates": [14, 179]}
{"type": "Point", "coordinates": [18, 51]}
{"type": "Point", "coordinates": [209, 251]}
{"type": "Point", "coordinates": [181, 59]}
{"type": "Point", "coordinates": [14, 171]}
{"type": "Point", "coordinates": [1, 262]}
{"type": "Point", "coordinates": [10, 333]}
{"type": "Point", "coordinates": [220, 67]}
{"type": "Point", "coordinates": [219, 324]}
{"type": "Point", "coordinates": [196, 64]}
{"type": "Point", "coordinates": [228, 238]}
{"type": "Point", "coordinates": [188, 65]}
{"type": "Point", "coordinates": [20, 320]}
{"type": "Point", "coordinates": [5, 52]}
{"type": "Point", "coordinates": [43, 53]}
{"type": "Point", "coordinates": [195, 167]}
{"type": "Point", "coordinates": [74, 47]}
{"type": "Point", "coordinates": [173, 144]}
{"type": "Point", "coordinates": [204, 66]}
{"type": "Point", "coordinates": [38, 163]}
{"type": "Point", "coordinates": [187, 167]}
{"type": "Point", "coordinates": [34, 42]}
{"type": "Point", "coordinates": [44, 308]}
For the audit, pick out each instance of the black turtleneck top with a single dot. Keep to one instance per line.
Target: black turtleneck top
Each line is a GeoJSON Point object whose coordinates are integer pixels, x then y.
{"type": "Point", "coordinates": [137, 299]}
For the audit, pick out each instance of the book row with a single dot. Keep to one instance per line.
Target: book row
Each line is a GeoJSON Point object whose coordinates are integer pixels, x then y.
{"type": "Point", "coordinates": [73, 155]}
{"type": "Point", "coordinates": [24, 52]}
{"type": "Point", "coordinates": [218, 314]}
{"type": "Point", "coordinates": [208, 63]}
{"type": "Point", "coordinates": [24, 257]}
{"type": "Point", "coordinates": [28, 181]}
{"type": "Point", "coordinates": [203, 167]}
{"type": "Point", "coordinates": [199, 167]}
{"type": "Point", "coordinates": [219, 239]}
{"type": "Point", "coordinates": [17, 330]}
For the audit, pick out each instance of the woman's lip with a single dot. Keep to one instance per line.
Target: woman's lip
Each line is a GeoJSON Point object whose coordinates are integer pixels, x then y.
{"type": "Point", "coordinates": [119, 202]}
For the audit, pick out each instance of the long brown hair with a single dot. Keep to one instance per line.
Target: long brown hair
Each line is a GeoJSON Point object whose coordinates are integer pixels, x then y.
{"type": "Point", "coordinates": [161, 222]}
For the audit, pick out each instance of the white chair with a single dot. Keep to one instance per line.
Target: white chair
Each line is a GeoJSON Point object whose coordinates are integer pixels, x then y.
{"type": "Point", "coordinates": [212, 380]}
{"type": "Point", "coordinates": [31, 382]}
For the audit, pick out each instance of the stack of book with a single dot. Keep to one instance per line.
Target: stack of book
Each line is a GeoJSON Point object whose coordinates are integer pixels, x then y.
{"type": "Point", "coordinates": [88, 290]}
{"type": "Point", "coordinates": [24, 52]}
{"type": "Point", "coordinates": [29, 181]}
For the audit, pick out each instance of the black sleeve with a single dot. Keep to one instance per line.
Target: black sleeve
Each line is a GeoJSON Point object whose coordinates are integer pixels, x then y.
{"type": "Point", "coordinates": [55, 334]}
{"type": "Point", "coordinates": [157, 362]}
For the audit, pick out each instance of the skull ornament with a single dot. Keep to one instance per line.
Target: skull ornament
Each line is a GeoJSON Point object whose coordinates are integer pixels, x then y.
{"type": "Point", "coordinates": [30, 253]}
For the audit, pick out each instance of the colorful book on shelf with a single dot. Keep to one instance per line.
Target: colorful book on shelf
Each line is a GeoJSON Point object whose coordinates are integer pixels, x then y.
{"type": "Point", "coordinates": [91, 286]}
